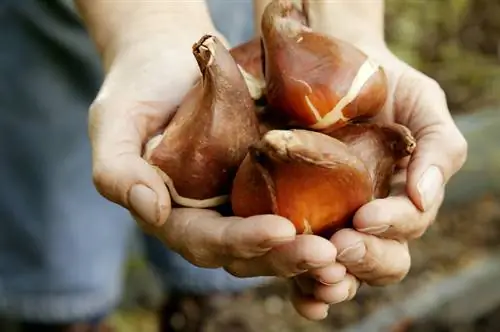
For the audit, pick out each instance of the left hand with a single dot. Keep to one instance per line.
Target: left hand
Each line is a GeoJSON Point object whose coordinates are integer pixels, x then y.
{"type": "Point", "coordinates": [376, 250]}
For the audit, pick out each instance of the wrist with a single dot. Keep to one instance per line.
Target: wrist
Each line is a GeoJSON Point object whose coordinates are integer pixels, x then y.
{"type": "Point", "coordinates": [163, 43]}
{"type": "Point", "coordinates": [124, 27]}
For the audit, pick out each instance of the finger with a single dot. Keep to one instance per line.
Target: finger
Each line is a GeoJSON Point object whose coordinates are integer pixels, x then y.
{"type": "Point", "coordinates": [304, 253]}
{"type": "Point", "coordinates": [371, 259]}
{"type": "Point", "coordinates": [307, 306]}
{"type": "Point", "coordinates": [206, 239]}
{"type": "Point", "coordinates": [328, 275]}
{"type": "Point", "coordinates": [441, 148]}
{"type": "Point", "coordinates": [396, 217]}
{"type": "Point", "coordinates": [344, 290]}
{"type": "Point", "coordinates": [119, 172]}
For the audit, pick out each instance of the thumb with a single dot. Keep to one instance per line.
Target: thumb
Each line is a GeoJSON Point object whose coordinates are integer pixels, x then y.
{"type": "Point", "coordinates": [120, 174]}
{"type": "Point", "coordinates": [441, 148]}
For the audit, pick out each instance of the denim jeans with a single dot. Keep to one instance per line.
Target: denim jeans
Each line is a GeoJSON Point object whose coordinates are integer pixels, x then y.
{"type": "Point", "coordinates": [62, 246]}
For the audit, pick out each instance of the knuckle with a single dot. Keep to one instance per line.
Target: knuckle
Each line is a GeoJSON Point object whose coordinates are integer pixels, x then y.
{"type": "Point", "coordinates": [392, 277]}
{"type": "Point", "coordinates": [232, 242]}
{"type": "Point", "coordinates": [366, 268]}
{"type": "Point", "coordinates": [459, 150]}
{"type": "Point", "coordinates": [435, 88]}
{"type": "Point", "coordinates": [226, 246]}
{"type": "Point", "coordinates": [404, 269]}
{"type": "Point", "coordinates": [400, 271]}
{"type": "Point", "coordinates": [96, 109]}
{"type": "Point", "coordinates": [101, 179]}
{"type": "Point", "coordinates": [199, 259]}
{"type": "Point", "coordinates": [285, 269]}
{"type": "Point", "coordinates": [248, 253]}
{"type": "Point", "coordinates": [106, 180]}
{"type": "Point", "coordinates": [419, 230]}
{"type": "Point", "coordinates": [389, 270]}
{"type": "Point", "coordinates": [417, 233]}
{"type": "Point", "coordinates": [189, 247]}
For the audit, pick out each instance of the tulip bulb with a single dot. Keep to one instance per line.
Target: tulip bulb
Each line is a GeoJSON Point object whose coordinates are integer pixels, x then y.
{"type": "Point", "coordinates": [318, 181]}
{"type": "Point", "coordinates": [202, 147]}
{"type": "Point", "coordinates": [305, 176]}
{"type": "Point", "coordinates": [317, 81]}
{"type": "Point", "coordinates": [380, 147]}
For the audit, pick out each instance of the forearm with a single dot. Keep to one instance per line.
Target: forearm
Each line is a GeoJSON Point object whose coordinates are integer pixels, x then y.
{"type": "Point", "coordinates": [119, 25]}
{"type": "Point", "coordinates": [356, 21]}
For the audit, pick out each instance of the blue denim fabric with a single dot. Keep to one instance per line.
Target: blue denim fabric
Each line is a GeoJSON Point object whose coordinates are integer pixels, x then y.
{"type": "Point", "coordinates": [62, 246]}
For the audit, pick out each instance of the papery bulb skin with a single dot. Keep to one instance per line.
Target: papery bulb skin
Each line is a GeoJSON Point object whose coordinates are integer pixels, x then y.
{"type": "Point", "coordinates": [380, 147]}
{"type": "Point", "coordinates": [248, 56]}
{"type": "Point", "coordinates": [305, 176]}
{"type": "Point", "coordinates": [202, 147]}
{"type": "Point", "coordinates": [317, 81]}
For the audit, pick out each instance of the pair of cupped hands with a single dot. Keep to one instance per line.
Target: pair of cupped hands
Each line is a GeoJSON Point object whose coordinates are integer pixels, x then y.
{"type": "Point", "coordinates": [143, 86]}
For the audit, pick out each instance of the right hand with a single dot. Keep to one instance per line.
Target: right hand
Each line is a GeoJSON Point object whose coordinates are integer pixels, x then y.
{"type": "Point", "coordinates": [143, 85]}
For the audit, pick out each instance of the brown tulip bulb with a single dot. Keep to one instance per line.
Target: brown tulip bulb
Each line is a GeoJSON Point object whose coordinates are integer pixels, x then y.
{"type": "Point", "coordinates": [380, 147]}
{"type": "Point", "coordinates": [308, 177]}
{"type": "Point", "coordinates": [318, 81]}
{"type": "Point", "coordinates": [249, 57]}
{"type": "Point", "coordinates": [202, 147]}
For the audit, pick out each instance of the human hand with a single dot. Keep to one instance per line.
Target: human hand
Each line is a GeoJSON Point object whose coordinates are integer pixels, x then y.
{"type": "Point", "coordinates": [264, 245]}
{"type": "Point", "coordinates": [376, 251]}
{"type": "Point", "coordinates": [138, 97]}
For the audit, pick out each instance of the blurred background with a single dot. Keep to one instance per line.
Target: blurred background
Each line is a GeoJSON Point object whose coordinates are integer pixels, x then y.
{"type": "Point", "coordinates": [452, 284]}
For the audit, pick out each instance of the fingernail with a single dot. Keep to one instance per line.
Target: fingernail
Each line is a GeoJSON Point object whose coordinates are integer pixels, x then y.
{"type": "Point", "coordinates": [144, 202]}
{"type": "Point", "coordinates": [375, 230]}
{"type": "Point", "coordinates": [429, 185]}
{"type": "Point", "coordinates": [352, 254]}
{"type": "Point", "coordinates": [277, 242]}
{"type": "Point", "coordinates": [327, 283]}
